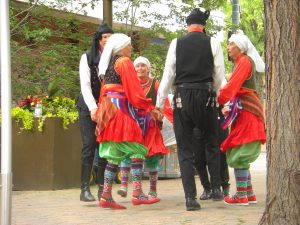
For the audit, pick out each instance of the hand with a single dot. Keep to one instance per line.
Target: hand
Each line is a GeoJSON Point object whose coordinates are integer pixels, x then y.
{"type": "Point", "coordinates": [161, 114]}
{"type": "Point", "coordinates": [156, 114]}
{"type": "Point", "coordinates": [226, 110]}
{"type": "Point", "coordinates": [93, 114]}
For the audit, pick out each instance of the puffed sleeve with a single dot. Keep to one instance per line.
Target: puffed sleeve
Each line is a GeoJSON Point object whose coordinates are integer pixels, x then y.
{"type": "Point", "coordinates": [240, 74]}
{"type": "Point", "coordinates": [125, 68]}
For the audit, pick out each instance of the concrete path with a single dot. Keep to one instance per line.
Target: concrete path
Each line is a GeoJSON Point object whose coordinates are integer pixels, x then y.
{"type": "Point", "coordinates": [64, 207]}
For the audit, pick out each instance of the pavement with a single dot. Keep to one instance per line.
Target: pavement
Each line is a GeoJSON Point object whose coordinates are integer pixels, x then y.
{"type": "Point", "coordinates": [63, 206]}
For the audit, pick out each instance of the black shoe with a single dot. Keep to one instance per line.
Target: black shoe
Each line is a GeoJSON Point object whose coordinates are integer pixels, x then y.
{"type": "Point", "coordinates": [217, 194]}
{"type": "Point", "coordinates": [225, 191]}
{"type": "Point", "coordinates": [206, 194]}
{"type": "Point", "coordinates": [192, 204]}
{"type": "Point", "coordinates": [86, 195]}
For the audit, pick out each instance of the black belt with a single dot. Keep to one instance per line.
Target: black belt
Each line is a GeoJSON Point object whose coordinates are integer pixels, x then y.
{"type": "Point", "coordinates": [204, 85]}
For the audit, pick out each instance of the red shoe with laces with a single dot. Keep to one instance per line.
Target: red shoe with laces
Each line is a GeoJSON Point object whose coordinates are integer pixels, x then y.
{"type": "Point", "coordinates": [136, 201]}
{"type": "Point", "coordinates": [252, 199]}
{"type": "Point", "coordinates": [110, 204]}
{"type": "Point", "coordinates": [235, 200]}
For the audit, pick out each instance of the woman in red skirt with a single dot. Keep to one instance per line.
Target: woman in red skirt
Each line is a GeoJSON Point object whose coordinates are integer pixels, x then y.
{"type": "Point", "coordinates": [153, 139]}
{"type": "Point", "coordinates": [245, 116]}
{"type": "Point", "coordinates": [123, 118]}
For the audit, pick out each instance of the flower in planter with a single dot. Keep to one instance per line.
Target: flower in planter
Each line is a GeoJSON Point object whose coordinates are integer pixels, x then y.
{"type": "Point", "coordinates": [62, 107]}
{"type": "Point", "coordinates": [30, 102]}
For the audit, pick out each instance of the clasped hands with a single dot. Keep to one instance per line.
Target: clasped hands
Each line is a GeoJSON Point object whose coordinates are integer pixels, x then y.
{"type": "Point", "coordinates": [157, 114]}
{"type": "Point", "coordinates": [226, 110]}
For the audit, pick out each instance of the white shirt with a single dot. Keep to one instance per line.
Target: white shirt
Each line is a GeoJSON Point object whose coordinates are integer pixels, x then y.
{"type": "Point", "coordinates": [170, 70]}
{"type": "Point", "coordinates": [85, 83]}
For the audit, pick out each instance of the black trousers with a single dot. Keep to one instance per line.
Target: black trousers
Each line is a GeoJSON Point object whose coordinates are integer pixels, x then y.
{"type": "Point", "coordinates": [194, 112]}
{"type": "Point", "coordinates": [201, 159]}
{"type": "Point", "coordinates": [201, 166]}
{"type": "Point", "coordinates": [90, 145]}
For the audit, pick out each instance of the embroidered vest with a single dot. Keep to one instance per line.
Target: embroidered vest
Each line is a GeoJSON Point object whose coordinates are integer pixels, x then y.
{"type": "Point", "coordinates": [111, 76]}
{"type": "Point", "coordinates": [250, 82]}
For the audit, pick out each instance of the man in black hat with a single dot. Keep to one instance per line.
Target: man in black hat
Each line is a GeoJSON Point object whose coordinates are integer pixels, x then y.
{"type": "Point", "coordinates": [195, 63]}
{"type": "Point", "coordinates": [87, 106]}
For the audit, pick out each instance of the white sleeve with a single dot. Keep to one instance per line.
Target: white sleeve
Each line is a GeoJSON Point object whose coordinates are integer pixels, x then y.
{"type": "Point", "coordinates": [85, 83]}
{"type": "Point", "coordinates": [219, 67]}
{"type": "Point", "coordinates": [168, 75]}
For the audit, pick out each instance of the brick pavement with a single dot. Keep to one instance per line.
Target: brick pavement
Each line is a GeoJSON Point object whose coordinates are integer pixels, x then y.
{"type": "Point", "coordinates": [64, 207]}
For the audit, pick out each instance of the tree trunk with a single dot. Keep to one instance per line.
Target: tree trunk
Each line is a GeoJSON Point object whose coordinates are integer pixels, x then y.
{"type": "Point", "coordinates": [282, 38]}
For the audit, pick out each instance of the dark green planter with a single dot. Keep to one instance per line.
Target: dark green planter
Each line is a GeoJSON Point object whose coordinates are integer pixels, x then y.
{"type": "Point", "coordinates": [46, 160]}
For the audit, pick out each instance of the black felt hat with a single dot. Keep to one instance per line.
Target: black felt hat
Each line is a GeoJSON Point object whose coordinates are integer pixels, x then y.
{"type": "Point", "coordinates": [104, 28]}
{"type": "Point", "coordinates": [197, 17]}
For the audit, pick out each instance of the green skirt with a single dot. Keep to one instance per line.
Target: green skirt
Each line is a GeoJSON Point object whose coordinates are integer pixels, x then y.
{"type": "Point", "coordinates": [115, 152]}
{"type": "Point", "coordinates": [241, 156]}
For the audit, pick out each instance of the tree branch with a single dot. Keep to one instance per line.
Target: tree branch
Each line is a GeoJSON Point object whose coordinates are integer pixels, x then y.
{"type": "Point", "coordinates": [28, 10]}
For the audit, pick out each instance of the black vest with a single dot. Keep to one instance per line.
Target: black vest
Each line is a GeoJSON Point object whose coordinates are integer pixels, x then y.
{"type": "Point", "coordinates": [95, 81]}
{"type": "Point", "coordinates": [194, 59]}
{"type": "Point", "coordinates": [95, 85]}
{"type": "Point", "coordinates": [151, 93]}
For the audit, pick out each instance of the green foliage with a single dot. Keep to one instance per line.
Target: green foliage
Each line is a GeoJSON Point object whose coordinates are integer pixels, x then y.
{"type": "Point", "coordinates": [213, 4]}
{"type": "Point", "coordinates": [45, 51]}
{"type": "Point", "coordinates": [61, 107]}
{"type": "Point", "coordinates": [25, 116]}
{"type": "Point", "coordinates": [64, 108]}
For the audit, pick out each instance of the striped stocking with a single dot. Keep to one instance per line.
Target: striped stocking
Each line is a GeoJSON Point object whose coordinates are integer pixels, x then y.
{"type": "Point", "coordinates": [136, 170]}
{"type": "Point", "coordinates": [125, 171]}
{"type": "Point", "coordinates": [109, 174]}
{"type": "Point", "coordinates": [249, 185]}
{"type": "Point", "coordinates": [153, 176]}
{"type": "Point", "coordinates": [241, 177]}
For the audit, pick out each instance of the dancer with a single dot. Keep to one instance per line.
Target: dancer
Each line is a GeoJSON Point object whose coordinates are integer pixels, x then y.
{"type": "Point", "coordinates": [123, 118]}
{"type": "Point", "coordinates": [195, 63]}
{"type": "Point", "coordinates": [154, 140]}
{"type": "Point", "coordinates": [244, 114]}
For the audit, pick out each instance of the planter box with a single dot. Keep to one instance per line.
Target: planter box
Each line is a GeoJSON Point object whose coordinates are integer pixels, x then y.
{"type": "Point", "coordinates": [46, 160]}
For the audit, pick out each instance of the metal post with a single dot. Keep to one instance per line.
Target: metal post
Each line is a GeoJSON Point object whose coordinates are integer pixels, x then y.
{"type": "Point", "coordinates": [107, 12]}
{"type": "Point", "coordinates": [235, 14]}
{"type": "Point", "coordinates": [6, 175]}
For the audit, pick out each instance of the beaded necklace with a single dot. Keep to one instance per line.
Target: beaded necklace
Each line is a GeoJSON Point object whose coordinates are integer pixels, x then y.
{"type": "Point", "coordinates": [144, 85]}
